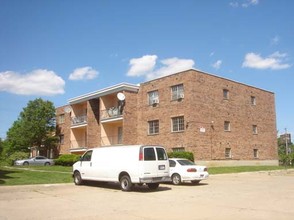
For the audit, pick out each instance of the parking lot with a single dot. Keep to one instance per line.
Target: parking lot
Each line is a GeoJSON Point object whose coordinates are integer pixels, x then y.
{"type": "Point", "coordinates": [260, 195]}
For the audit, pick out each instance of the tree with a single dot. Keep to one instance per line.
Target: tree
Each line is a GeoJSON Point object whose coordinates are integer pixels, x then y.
{"type": "Point", "coordinates": [286, 158]}
{"type": "Point", "coordinates": [1, 145]}
{"type": "Point", "coordinates": [35, 127]}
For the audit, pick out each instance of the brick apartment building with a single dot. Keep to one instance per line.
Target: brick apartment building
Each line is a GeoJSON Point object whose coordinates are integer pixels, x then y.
{"type": "Point", "coordinates": [221, 121]}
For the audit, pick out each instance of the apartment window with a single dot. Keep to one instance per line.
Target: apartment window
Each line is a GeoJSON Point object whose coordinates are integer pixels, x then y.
{"type": "Point", "coordinates": [61, 139]}
{"type": "Point", "coordinates": [61, 119]}
{"type": "Point", "coordinates": [178, 149]}
{"type": "Point", "coordinates": [254, 129]}
{"type": "Point", "coordinates": [253, 100]}
{"type": "Point", "coordinates": [178, 124]}
{"type": "Point", "coordinates": [153, 97]}
{"type": "Point", "coordinates": [153, 127]}
{"type": "Point", "coordinates": [228, 153]}
{"type": "Point", "coordinates": [255, 153]}
{"type": "Point", "coordinates": [227, 126]}
{"type": "Point", "coordinates": [226, 94]}
{"type": "Point", "coordinates": [177, 92]}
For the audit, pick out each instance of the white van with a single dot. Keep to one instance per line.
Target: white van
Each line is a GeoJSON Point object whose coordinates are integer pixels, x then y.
{"type": "Point", "coordinates": [128, 165]}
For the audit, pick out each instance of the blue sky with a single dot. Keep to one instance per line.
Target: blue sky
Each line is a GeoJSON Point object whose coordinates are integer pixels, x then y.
{"type": "Point", "coordinates": [60, 49]}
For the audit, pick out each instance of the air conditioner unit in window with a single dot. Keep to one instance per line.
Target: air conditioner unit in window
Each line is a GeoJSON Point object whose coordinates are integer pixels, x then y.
{"type": "Point", "coordinates": [181, 96]}
{"type": "Point", "coordinates": [155, 101]}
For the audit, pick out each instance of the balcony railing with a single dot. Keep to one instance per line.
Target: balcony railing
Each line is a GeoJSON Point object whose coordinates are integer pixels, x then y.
{"type": "Point", "coordinates": [78, 120]}
{"type": "Point", "coordinates": [112, 112]}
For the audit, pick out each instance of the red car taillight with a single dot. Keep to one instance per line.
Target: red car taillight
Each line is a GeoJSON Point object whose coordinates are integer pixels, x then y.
{"type": "Point", "coordinates": [191, 170]}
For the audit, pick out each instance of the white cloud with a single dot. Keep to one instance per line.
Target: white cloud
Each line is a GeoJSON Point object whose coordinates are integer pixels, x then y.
{"type": "Point", "coordinates": [145, 66]}
{"type": "Point", "coordinates": [275, 61]}
{"type": "Point", "coordinates": [244, 4]}
{"type": "Point", "coordinates": [217, 64]}
{"type": "Point", "coordinates": [141, 66]}
{"type": "Point", "coordinates": [234, 4]}
{"type": "Point", "coordinates": [37, 82]}
{"type": "Point", "coordinates": [83, 73]}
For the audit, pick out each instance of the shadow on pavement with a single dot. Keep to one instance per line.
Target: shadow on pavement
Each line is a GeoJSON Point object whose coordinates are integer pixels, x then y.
{"type": "Point", "coordinates": [136, 188]}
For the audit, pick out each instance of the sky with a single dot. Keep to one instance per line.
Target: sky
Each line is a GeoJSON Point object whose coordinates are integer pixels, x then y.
{"type": "Point", "coordinates": [60, 49]}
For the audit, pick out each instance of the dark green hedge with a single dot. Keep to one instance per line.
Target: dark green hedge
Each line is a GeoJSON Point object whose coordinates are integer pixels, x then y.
{"type": "Point", "coordinates": [66, 159]}
{"type": "Point", "coordinates": [181, 154]}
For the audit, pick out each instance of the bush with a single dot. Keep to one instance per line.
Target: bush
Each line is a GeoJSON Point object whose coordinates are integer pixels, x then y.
{"type": "Point", "coordinates": [18, 155]}
{"type": "Point", "coordinates": [181, 154]}
{"type": "Point", "coordinates": [66, 159]}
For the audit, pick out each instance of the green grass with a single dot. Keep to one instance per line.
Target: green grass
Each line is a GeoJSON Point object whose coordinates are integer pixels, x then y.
{"type": "Point", "coordinates": [38, 175]}
{"type": "Point", "coordinates": [59, 174]}
{"type": "Point", "coordinates": [223, 170]}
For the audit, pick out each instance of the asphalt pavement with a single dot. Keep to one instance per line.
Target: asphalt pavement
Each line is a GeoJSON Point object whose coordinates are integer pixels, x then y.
{"type": "Point", "coordinates": [258, 195]}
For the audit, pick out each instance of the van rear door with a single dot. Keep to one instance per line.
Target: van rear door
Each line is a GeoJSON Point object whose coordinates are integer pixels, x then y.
{"type": "Point", "coordinates": [155, 162]}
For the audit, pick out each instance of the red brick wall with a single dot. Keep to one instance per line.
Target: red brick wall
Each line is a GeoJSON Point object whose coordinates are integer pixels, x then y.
{"type": "Point", "coordinates": [63, 128]}
{"type": "Point", "coordinates": [93, 126]}
{"type": "Point", "coordinates": [204, 103]}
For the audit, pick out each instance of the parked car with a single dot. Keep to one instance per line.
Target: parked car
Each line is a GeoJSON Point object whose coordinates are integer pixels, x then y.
{"type": "Point", "coordinates": [183, 170]}
{"type": "Point", "coordinates": [39, 160]}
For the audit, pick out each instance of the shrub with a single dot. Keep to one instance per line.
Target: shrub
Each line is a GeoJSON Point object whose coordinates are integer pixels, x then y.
{"type": "Point", "coordinates": [181, 154]}
{"type": "Point", "coordinates": [18, 155]}
{"type": "Point", "coordinates": [66, 159]}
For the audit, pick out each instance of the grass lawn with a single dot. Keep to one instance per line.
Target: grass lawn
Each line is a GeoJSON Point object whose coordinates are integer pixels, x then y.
{"type": "Point", "coordinates": [35, 175]}
{"type": "Point", "coordinates": [222, 170]}
{"type": "Point", "coordinates": [25, 175]}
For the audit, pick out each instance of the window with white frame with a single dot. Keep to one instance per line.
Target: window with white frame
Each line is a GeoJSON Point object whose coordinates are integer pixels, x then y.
{"type": "Point", "coordinates": [228, 153]}
{"type": "Point", "coordinates": [227, 126]}
{"type": "Point", "coordinates": [254, 129]}
{"type": "Point", "coordinates": [177, 92]}
{"type": "Point", "coordinates": [253, 100]}
{"type": "Point", "coordinates": [153, 97]}
{"type": "Point", "coordinates": [178, 149]}
{"type": "Point", "coordinates": [61, 119]}
{"type": "Point", "coordinates": [153, 127]}
{"type": "Point", "coordinates": [178, 124]}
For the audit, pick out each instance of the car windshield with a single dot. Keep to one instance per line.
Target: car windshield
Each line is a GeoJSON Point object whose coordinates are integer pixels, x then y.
{"type": "Point", "coordinates": [185, 162]}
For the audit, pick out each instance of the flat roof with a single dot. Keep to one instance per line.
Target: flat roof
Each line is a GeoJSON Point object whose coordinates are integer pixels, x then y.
{"type": "Point", "coordinates": [106, 91]}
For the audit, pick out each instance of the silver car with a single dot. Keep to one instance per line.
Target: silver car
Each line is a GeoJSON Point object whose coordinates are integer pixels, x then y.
{"type": "Point", "coordinates": [39, 161]}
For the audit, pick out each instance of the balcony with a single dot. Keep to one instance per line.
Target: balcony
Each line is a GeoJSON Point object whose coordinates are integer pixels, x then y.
{"type": "Point", "coordinates": [111, 113]}
{"type": "Point", "coordinates": [79, 120]}
{"type": "Point", "coordinates": [111, 140]}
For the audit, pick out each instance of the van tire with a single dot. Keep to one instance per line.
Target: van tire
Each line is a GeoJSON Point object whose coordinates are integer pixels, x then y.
{"type": "Point", "coordinates": [77, 178]}
{"type": "Point", "coordinates": [125, 183]}
{"type": "Point", "coordinates": [153, 186]}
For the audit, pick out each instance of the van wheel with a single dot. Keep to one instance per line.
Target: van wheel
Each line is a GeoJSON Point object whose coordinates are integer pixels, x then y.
{"type": "Point", "coordinates": [77, 178]}
{"type": "Point", "coordinates": [125, 183]}
{"type": "Point", "coordinates": [176, 179]}
{"type": "Point", "coordinates": [153, 186]}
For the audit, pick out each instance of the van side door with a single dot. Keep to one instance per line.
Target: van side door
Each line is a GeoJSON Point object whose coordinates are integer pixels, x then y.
{"type": "Point", "coordinates": [86, 165]}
